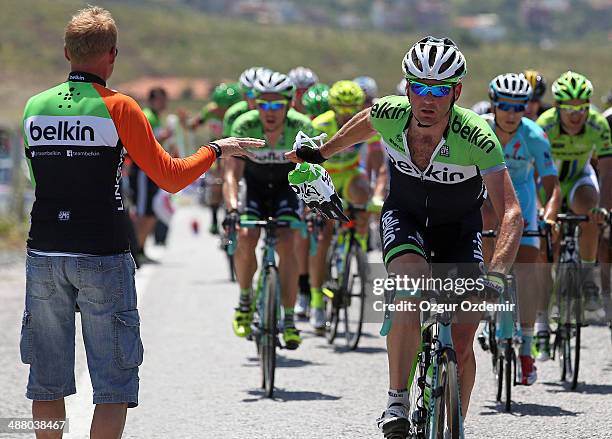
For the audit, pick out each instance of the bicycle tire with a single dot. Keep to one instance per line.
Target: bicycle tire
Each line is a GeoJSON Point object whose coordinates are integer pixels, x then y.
{"type": "Point", "coordinates": [268, 334]}
{"type": "Point", "coordinates": [232, 267]}
{"type": "Point", "coordinates": [508, 360]}
{"type": "Point", "coordinates": [499, 377]}
{"type": "Point", "coordinates": [356, 259]}
{"type": "Point", "coordinates": [447, 382]}
{"type": "Point", "coordinates": [332, 317]}
{"type": "Point", "coordinates": [576, 357]}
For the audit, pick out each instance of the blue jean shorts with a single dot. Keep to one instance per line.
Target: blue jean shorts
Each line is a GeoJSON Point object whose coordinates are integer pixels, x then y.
{"type": "Point", "coordinates": [105, 291]}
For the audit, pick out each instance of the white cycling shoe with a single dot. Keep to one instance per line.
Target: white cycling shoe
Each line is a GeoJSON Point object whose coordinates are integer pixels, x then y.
{"type": "Point", "coordinates": [302, 306]}
{"type": "Point", "coordinates": [394, 420]}
{"type": "Point", "coordinates": [317, 319]}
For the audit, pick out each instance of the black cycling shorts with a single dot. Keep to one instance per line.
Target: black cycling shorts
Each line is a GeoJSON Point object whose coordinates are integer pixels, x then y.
{"type": "Point", "coordinates": [143, 190]}
{"type": "Point", "coordinates": [454, 244]}
{"type": "Point", "coordinates": [265, 200]}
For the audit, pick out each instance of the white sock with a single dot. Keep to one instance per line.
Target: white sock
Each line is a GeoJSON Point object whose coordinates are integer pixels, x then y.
{"type": "Point", "coordinates": [401, 396]}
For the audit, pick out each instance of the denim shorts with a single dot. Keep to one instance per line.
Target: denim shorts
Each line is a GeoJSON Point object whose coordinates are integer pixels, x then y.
{"type": "Point", "coordinates": [104, 289]}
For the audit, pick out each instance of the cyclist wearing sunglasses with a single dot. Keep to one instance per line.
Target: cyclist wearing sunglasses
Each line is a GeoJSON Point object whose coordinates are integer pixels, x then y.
{"type": "Point", "coordinates": [442, 158]}
{"type": "Point", "coordinates": [267, 195]}
{"type": "Point", "coordinates": [303, 78]}
{"type": "Point", "coordinates": [577, 134]}
{"type": "Point", "coordinates": [346, 99]}
{"type": "Point", "coordinates": [246, 81]}
{"type": "Point", "coordinates": [526, 149]}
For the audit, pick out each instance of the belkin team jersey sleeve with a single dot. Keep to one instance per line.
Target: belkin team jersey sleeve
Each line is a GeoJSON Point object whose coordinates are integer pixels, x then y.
{"type": "Point", "coordinates": [134, 130]}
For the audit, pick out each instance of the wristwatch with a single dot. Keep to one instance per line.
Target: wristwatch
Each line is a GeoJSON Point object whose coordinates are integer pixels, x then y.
{"type": "Point", "coordinates": [216, 148]}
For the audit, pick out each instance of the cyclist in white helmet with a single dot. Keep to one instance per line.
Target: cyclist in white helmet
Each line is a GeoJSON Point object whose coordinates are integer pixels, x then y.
{"type": "Point", "coordinates": [247, 81]}
{"type": "Point", "coordinates": [267, 195]}
{"type": "Point", "coordinates": [442, 159]}
{"type": "Point", "coordinates": [303, 78]}
{"type": "Point", "coordinates": [526, 149]}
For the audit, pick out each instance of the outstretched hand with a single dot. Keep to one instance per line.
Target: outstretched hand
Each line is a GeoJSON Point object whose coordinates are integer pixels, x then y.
{"type": "Point", "coordinates": [237, 147]}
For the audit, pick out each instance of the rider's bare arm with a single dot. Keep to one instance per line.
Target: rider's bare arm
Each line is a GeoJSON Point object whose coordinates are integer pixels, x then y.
{"type": "Point", "coordinates": [382, 177]}
{"type": "Point", "coordinates": [232, 173]}
{"type": "Point", "coordinates": [503, 197]}
{"type": "Point", "coordinates": [358, 129]}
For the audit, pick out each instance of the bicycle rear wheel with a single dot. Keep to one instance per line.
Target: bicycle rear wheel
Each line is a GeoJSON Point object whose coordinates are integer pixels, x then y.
{"type": "Point", "coordinates": [447, 410]}
{"type": "Point", "coordinates": [267, 343]}
{"type": "Point", "coordinates": [353, 298]}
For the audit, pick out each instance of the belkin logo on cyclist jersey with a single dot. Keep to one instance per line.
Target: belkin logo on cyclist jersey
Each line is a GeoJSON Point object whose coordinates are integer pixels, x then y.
{"type": "Point", "coordinates": [388, 111]}
{"type": "Point", "coordinates": [473, 134]}
{"type": "Point", "coordinates": [64, 130]}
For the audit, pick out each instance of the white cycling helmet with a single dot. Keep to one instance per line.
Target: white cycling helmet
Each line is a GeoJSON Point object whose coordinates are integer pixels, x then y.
{"type": "Point", "coordinates": [435, 58]}
{"type": "Point", "coordinates": [368, 85]}
{"type": "Point", "coordinates": [248, 77]}
{"type": "Point", "coordinates": [511, 86]}
{"type": "Point", "coordinates": [303, 77]}
{"type": "Point", "coordinates": [274, 82]}
{"type": "Point", "coordinates": [401, 87]}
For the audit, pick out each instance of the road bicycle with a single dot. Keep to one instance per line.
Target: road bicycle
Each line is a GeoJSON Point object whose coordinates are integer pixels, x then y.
{"type": "Point", "coordinates": [345, 288]}
{"type": "Point", "coordinates": [503, 335]}
{"type": "Point", "coordinates": [265, 326]}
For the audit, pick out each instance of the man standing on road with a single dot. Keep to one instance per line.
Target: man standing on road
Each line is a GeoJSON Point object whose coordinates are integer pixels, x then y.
{"type": "Point", "coordinates": [78, 252]}
{"type": "Point", "coordinates": [143, 189]}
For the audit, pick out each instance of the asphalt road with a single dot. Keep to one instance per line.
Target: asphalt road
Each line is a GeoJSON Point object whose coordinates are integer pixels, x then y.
{"type": "Point", "coordinates": [199, 381]}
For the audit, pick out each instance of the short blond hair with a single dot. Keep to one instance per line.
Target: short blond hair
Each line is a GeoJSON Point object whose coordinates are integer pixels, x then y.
{"type": "Point", "coordinates": [90, 33]}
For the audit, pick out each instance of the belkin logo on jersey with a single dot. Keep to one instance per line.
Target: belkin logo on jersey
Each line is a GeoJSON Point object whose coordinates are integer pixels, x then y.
{"type": "Point", "coordinates": [65, 130]}
{"type": "Point", "coordinates": [388, 111]}
{"type": "Point", "coordinates": [473, 134]}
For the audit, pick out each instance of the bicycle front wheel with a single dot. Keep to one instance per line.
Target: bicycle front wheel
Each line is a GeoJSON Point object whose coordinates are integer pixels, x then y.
{"type": "Point", "coordinates": [353, 298]}
{"type": "Point", "coordinates": [267, 344]}
{"type": "Point", "coordinates": [447, 409]}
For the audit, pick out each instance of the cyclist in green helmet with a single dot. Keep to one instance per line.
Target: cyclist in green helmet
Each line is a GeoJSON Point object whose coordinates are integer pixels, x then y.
{"type": "Point", "coordinates": [316, 100]}
{"type": "Point", "coordinates": [223, 97]}
{"type": "Point", "coordinates": [577, 134]}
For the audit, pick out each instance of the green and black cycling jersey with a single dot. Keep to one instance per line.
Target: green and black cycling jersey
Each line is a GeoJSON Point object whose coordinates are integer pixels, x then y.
{"type": "Point", "coordinates": [450, 190]}
{"type": "Point", "coordinates": [233, 113]}
{"type": "Point", "coordinates": [270, 165]}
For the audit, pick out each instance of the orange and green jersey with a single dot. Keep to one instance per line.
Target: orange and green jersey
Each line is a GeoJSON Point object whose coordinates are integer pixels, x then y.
{"type": "Point", "coordinates": [75, 134]}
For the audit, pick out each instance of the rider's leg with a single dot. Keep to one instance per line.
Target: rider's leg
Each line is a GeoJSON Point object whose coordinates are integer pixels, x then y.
{"type": "Point", "coordinates": [463, 340]}
{"type": "Point", "coordinates": [586, 197]}
{"type": "Point", "coordinates": [526, 270]}
{"type": "Point", "coordinates": [403, 339]}
{"type": "Point", "coordinates": [245, 258]}
{"type": "Point", "coordinates": [317, 264]}
{"type": "Point", "coordinates": [302, 250]}
{"type": "Point", "coordinates": [604, 262]}
{"type": "Point", "coordinates": [287, 267]}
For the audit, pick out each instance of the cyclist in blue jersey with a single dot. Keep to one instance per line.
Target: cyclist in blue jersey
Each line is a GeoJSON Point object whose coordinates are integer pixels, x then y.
{"type": "Point", "coordinates": [525, 147]}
